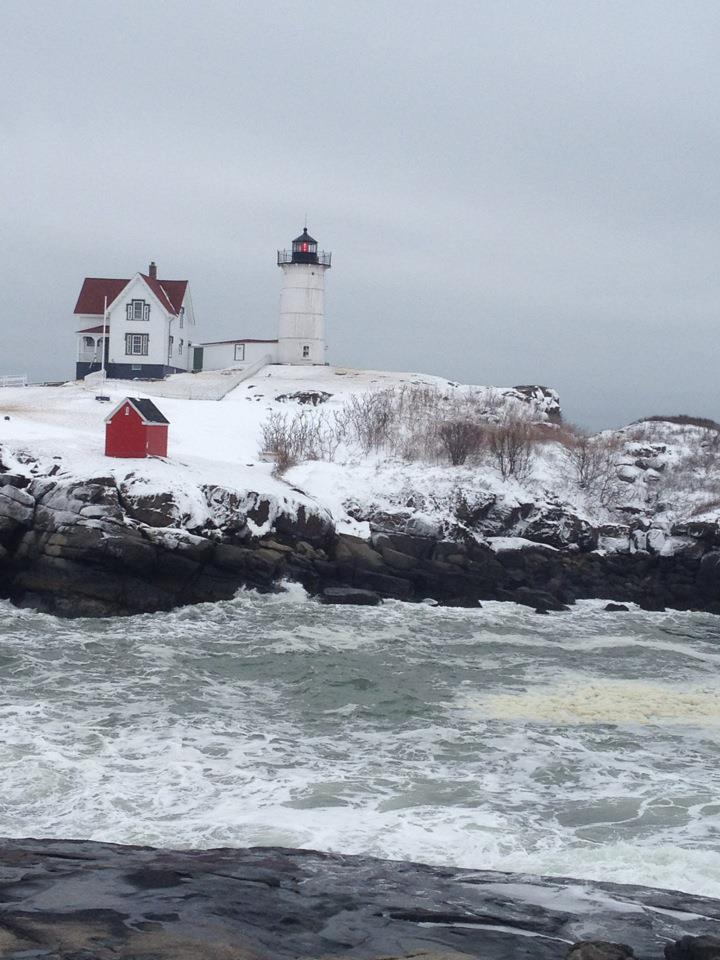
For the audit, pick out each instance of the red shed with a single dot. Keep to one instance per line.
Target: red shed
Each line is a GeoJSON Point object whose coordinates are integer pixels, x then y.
{"type": "Point", "coordinates": [136, 428]}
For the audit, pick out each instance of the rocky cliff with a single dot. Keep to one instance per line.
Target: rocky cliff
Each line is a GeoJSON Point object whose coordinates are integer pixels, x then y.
{"type": "Point", "coordinates": [102, 547]}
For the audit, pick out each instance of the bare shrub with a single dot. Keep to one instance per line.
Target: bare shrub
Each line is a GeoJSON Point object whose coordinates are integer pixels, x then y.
{"type": "Point", "coordinates": [593, 461]}
{"type": "Point", "coordinates": [281, 441]}
{"type": "Point", "coordinates": [416, 421]}
{"type": "Point", "coordinates": [647, 431]}
{"type": "Point", "coordinates": [401, 421]}
{"type": "Point", "coordinates": [490, 403]}
{"type": "Point", "coordinates": [290, 439]}
{"type": "Point", "coordinates": [706, 506]}
{"type": "Point", "coordinates": [546, 433]}
{"type": "Point", "coordinates": [369, 417]}
{"type": "Point", "coordinates": [325, 436]}
{"type": "Point", "coordinates": [460, 439]}
{"type": "Point", "coordinates": [511, 443]}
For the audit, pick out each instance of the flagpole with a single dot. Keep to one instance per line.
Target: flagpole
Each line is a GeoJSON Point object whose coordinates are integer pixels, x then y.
{"type": "Point", "coordinates": [104, 344]}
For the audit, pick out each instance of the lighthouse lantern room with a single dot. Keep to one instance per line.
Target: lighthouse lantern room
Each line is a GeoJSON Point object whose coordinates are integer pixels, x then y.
{"type": "Point", "coordinates": [301, 336]}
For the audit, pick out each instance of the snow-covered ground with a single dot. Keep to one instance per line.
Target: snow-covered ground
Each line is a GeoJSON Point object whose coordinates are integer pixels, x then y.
{"type": "Point", "coordinates": [211, 442]}
{"type": "Point", "coordinates": [666, 472]}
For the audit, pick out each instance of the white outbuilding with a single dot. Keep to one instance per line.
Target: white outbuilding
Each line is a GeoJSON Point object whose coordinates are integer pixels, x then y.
{"type": "Point", "coordinates": [233, 354]}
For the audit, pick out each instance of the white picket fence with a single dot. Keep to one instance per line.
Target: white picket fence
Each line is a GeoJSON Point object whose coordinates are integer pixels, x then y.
{"type": "Point", "coordinates": [14, 381]}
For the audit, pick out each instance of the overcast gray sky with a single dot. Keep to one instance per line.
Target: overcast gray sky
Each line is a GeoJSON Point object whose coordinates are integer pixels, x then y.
{"type": "Point", "coordinates": [513, 192]}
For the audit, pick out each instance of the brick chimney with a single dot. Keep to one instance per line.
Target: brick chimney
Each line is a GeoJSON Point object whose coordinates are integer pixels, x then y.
{"type": "Point", "coordinates": [152, 270]}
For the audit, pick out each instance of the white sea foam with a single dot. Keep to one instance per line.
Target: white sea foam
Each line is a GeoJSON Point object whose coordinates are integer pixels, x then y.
{"type": "Point", "coordinates": [607, 701]}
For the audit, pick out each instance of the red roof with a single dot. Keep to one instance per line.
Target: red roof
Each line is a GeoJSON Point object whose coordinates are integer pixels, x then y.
{"type": "Point", "coordinates": [93, 293]}
{"type": "Point", "coordinates": [149, 413]}
{"type": "Point", "coordinates": [98, 329]}
{"type": "Point", "coordinates": [170, 293]}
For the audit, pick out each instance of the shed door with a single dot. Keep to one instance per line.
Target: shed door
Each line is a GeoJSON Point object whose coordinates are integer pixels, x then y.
{"type": "Point", "coordinates": [197, 358]}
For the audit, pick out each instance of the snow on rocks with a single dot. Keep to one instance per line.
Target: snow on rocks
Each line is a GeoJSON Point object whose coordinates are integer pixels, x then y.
{"type": "Point", "coordinates": [542, 398]}
{"type": "Point", "coordinates": [502, 544]}
{"type": "Point", "coordinates": [82, 534]}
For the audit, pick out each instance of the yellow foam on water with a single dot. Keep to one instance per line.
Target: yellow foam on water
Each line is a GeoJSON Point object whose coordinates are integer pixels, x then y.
{"type": "Point", "coordinates": [612, 701]}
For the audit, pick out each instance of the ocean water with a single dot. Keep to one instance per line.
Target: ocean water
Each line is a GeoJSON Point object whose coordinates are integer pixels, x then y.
{"type": "Point", "coordinates": [581, 744]}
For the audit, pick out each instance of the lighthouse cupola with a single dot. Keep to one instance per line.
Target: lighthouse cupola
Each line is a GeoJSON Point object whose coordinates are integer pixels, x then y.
{"type": "Point", "coordinates": [304, 248]}
{"type": "Point", "coordinates": [301, 337]}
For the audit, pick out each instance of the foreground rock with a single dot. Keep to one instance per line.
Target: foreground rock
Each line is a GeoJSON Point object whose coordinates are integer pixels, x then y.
{"type": "Point", "coordinates": [99, 548]}
{"type": "Point", "coordinates": [600, 950]}
{"type": "Point", "coordinates": [76, 900]}
{"type": "Point", "coordinates": [694, 948]}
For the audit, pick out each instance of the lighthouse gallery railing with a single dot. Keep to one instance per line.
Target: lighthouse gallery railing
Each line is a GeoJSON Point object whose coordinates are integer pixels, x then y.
{"type": "Point", "coordinates": [286, 256]}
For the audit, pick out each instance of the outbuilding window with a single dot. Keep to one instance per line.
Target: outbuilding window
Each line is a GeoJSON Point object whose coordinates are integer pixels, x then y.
{"type": "Point", "coordinates": [136, 344]}
{"type": "Point", "coordinates": [138, 310]}
{"type": "Point", "coordinates": [239, 351]}
{"type": "Point", "coordinates": [306, 352]}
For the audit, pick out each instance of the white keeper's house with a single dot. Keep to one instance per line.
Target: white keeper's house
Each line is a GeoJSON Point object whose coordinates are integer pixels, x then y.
{"type": "Point", "coordinates": [146, 326]}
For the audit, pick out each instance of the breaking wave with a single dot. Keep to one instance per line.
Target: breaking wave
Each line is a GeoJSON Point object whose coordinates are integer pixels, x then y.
{"type": "Point", "coordinates": [580, 744]}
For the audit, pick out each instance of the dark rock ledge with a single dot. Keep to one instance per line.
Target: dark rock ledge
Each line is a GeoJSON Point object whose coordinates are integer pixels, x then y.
{"type": "Point", "coordinates": [78, 900]}
{"type": "Point", "coordinates": [99, 548]}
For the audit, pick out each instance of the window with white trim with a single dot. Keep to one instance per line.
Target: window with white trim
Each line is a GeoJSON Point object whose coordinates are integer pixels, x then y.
{"type": "Point", "coordinates": [138, 310]}
{"type": "Point", "coordinates": [239, 351]}
{"type": "Point", "coordinates": [181, 346]}
{"type": "Point", "coordinates": [136, 344]}
{"type": "Point", "coordinates": [306, 351]}
{"type": "Point", "coordinates": [182, 317]}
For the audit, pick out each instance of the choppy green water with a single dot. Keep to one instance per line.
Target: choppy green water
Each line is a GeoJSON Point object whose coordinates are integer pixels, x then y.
{"type": "Point", "coordinates": [582, 744]}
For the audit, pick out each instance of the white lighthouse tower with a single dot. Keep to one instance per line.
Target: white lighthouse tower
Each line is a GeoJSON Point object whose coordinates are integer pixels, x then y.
{"type": "Point", "coordinates": [301, 337]}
